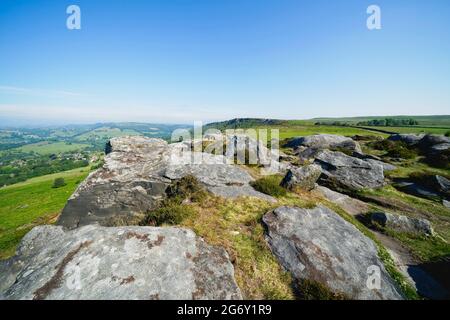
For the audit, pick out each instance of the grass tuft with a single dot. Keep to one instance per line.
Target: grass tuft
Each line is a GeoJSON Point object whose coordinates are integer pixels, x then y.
{"type": "Point", "coordinates": [270, 185]}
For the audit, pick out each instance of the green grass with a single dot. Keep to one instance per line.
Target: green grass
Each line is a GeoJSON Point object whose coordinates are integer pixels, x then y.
{"type": "Point", "coordinates": [413, 129]}
{"type": "Point", "coordinates": [296, 131]}
{"type": "Point", "coordinates": [106, 133]}
{"type": "Point", "coordinates": [45, 148]}
{"type": "Point", "coordinates": [428, 121]}
{"type": "Point", "coordinates": [33, 202]}
{"type": "Point", "coordinates": [425, 248]}
{"type": "Point", "coordinates": [270, 185]}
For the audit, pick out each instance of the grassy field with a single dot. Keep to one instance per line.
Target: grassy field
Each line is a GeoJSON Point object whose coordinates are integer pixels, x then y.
{"type": "Point", "coordinates": [426, 121]}
{"type": "Point", "coordinates": [413, 129]}
{"type": "Point", "coordinates": [106, 133]}
{"type": "Point", "coordinates": [49, 147]}
{"type": "Point", "coordinates": [30, 203]}
{"type": "Point", "coordinates": [305, 130]}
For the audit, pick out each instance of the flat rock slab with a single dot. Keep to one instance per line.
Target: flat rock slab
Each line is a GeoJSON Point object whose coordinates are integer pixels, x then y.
{"type": "Point", "coordinates": [403, 223]}
{"type": "Point", "coordinates": [353, 206]}
{"type": "Point", "coordinates": [96, 262]}
{"type": "Point", "coordinates": [318, 245]}
{"type": "Point", "coordinates": [344, 172]}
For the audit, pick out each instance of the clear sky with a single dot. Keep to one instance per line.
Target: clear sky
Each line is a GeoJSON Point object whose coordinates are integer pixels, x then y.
{"type": "Point", "coordinates": [182, 60]}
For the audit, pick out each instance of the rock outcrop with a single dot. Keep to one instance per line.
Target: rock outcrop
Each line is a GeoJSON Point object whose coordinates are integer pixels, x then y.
{"type": "Point", "coordinates": [409, 139]}
{"type": "Point", "coordinates": [325, 141]}
{"type": "Point", "coordinates": [130, 183]}
{"type": "Point", "coordinates": [318, 245]}
{"type": "Point", "coordinates": [96, 262]}
{"type": "Point", "coordinates": [402, 223]}
{"type": "Point", "coordinates": [302, 177]}
{"type": "Point", "coordinates": [431, 140]}
{"type": "Point", "coordinates": [136, 174]}
{"type": "Point", "coordinates": [342, 171]}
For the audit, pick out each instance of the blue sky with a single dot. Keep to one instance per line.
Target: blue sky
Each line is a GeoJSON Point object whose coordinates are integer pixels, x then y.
{"type": "Point", "coordinates": [182, 60]}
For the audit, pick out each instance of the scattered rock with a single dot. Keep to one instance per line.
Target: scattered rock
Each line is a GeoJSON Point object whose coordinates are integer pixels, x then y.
{"type": "Point", "coordinates": [128, 263]}
{"type": "Point", "coordinates": [303, 177]}
{"type": "Point", "coordinates": [342, 171]}
{"type": "Point", "coordinates": [136, 174]}
{"type": "Point", "coordinates": [403, 223]}
{"type": "Point", "coordinates": [325, 141]}
{"type": "Point", "coordinates": [318, 245]}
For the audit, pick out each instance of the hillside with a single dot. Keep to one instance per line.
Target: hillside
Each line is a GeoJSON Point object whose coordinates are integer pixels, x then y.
{"type": "Point", "coordinates": [227, 231]}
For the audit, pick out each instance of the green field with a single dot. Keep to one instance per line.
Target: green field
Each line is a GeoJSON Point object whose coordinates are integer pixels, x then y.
{"type": "Point", "coordinates": [44, 148]}
{"type": "Point", "coordinates": [413, 129]}
{"type": "Point", "coordinates": [296, 130]}
{"type": "Point", "coordinates": [425, 121]}
{"type": "Point", "coordinates": [30, 203]}
{"type": "Point", "coordinates": [106, 133]}
{"type": "Point", "coordinates": [293, 128]}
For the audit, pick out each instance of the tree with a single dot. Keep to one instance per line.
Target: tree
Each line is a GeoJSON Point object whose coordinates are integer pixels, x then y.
{"type": "Point", "coordinates": [58, 183]}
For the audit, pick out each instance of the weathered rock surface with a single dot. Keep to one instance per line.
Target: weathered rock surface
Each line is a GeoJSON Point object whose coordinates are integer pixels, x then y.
{"type": "Point", "coordinates": [130, 183]}
{"type": "Point", "coordinates": [318, 245]}
{"type": "Point", "coordinates": [342, 171]}
{"type": "Point", "coordinates": [374, 160]}
{"type": "Point", "coordinates": [431, 140]}
{"type": "Point", "coordinates": [416, 189]}
{"type": "Point", "coordinates": [96, 262]}
{"type": "Point", "coordinates": [353, 206]}
{"type": "Point", "coordinates": [409, 139]}
{"type": "Point", "coordinates": [136, 174]}
{"type": "Point", "coordinates": [403, 223]}
{"type": "Point", "coordinates": [442, 184]}
{"type": "Point", "coordinates": [302, 177]}
{"type": "Point", "coordinates": [325, 141]}
{"type": "Point", "coordinates": [446, 203]}
{"type": "Point", "coordinates": [433, 187]}
{"type": "Point", "coordinates": [440, 147]}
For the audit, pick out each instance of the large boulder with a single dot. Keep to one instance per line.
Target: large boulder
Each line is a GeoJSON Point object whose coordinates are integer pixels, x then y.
{"type": "Point", "coordinates": [302, 177]}
{"type": "Point", "coordinates": [340, 171]}
{"type": "Point", "coordinates": [409, 139]}
{"type": "Point", "coordinates": [325, 141]}
{"type": "Point", "coordinates": [431, 140]}
{"type": "Point", "coordinates": [130, 263]}
{"type": "Point", "coordinates": [417, 189]}
{"type": "Point", "coordinates": [130, 183]}
{"type": "Point", "coordinates": [403, 223]}
{"type": "Point", "coordinates": [136, 174]}
{"type": "Point", "coordinates": [319, 246]}
{"type": "Point", "coordinates": [433, 187]}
